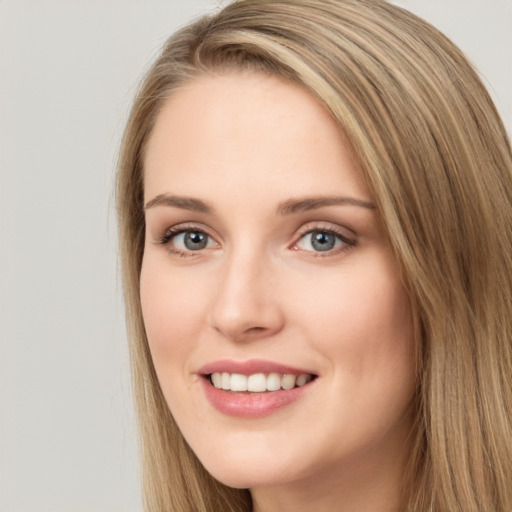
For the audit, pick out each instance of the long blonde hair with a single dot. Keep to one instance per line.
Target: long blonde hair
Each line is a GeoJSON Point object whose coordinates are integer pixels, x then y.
{"type": "Point", "coordinates": [438, 161]}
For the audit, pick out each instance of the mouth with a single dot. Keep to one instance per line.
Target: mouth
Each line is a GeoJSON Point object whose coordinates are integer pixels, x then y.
{"type": "Point", "coordinates": [254, 389]}
{"type": "Point", "coordinates": [258, 382]}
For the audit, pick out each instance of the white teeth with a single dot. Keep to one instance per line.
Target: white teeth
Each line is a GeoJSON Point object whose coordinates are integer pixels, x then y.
{"type": "Point", "coordinates": [238, 382]}
{"type": "Point", "coordinates": [288, 381]}
{"type": "Point", "coordinates": [302, 379]}
{"type": "Point", "coordinates": [258, 382]}
{"type": "Point", "coordinates": [217, 380]}
{"type": "Point", "coordinates": [273, 382]}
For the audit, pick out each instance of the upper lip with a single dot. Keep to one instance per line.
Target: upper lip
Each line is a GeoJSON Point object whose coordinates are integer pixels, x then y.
{"type": "Point", "coordinates": [250, 367]}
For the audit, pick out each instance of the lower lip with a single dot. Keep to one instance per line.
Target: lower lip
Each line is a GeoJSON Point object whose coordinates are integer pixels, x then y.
{"type": "Point", "coordinates": [251, 405]}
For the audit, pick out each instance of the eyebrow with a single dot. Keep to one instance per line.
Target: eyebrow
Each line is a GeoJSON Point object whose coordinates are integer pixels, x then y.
{"type": "Point", "coordinates": [312, 203]}
{"type": "Point", "coordinates": [286, 208]}
{"type": "Point", "coordinates": [185, 203]}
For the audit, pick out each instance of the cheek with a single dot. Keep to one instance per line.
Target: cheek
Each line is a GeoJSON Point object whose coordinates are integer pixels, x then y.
{"type": "Point", "coordinates": [371, 308]}
{"type": "Point", "coordinates": [172, 312]}
{"type": "Point", "coordinates": [363, 325]}
{"type": "Point", "coordinates": [173, 316]}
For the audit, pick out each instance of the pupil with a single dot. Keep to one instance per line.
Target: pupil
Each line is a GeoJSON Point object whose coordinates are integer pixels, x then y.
{"type": "Point", "coordinates": [194, 241]}
{"type": "Point", "coordinates": [322, 241]}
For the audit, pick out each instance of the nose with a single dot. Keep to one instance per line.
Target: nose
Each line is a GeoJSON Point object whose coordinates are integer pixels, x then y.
{"type": "Point", "coordinates": [246, 306]}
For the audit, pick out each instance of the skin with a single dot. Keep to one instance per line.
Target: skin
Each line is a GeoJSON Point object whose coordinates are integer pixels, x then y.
{"type": "Point", "coordinates": [244, 144]}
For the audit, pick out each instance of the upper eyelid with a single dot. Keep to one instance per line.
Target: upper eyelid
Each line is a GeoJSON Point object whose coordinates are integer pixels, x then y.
{"type": "Point", "coordinates": [185, 226]}
{"type": "Point", "coordinates": [344, 238]}
{"type": "Point", "coordinates": [328, 227]}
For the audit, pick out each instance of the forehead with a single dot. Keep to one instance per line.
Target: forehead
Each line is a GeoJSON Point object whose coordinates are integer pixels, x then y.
{"type": "Point", "coordinates": [244, 126]}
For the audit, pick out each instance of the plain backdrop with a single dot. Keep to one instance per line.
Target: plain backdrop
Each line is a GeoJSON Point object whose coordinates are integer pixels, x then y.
{"type": "Point", "coordinates": [68, 71]}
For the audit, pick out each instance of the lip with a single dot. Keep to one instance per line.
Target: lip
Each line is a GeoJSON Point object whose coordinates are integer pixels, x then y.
{"type": "Point", "coordinates": [251, 405]}
{"type": "Point", "coordinates": [250, 367]}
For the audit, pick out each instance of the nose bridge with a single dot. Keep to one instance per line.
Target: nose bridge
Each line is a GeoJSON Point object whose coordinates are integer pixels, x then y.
{"type": "Point", "coordinates": [244, 306]}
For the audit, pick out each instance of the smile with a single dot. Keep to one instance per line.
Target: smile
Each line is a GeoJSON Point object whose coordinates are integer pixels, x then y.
{"type": "Point", "coordinates": [254, 389]}
{"type": "Point", "coordinates": [258, 382]}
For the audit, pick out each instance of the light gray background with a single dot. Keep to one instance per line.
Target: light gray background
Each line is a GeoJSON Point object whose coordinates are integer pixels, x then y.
{"type": "Point", "coordinates": [68, 71]}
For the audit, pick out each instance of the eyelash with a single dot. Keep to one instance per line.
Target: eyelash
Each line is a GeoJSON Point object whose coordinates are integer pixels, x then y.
{"type": "Point", "coordinates": [173, 233]}
{"type": "Point", "coordinates": [348, 243]}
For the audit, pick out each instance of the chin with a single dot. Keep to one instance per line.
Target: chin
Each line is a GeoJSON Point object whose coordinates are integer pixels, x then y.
{"type": "Point", "coordinates": [246, 475]}
{"type": "Point", "coordinates": [248, 462]}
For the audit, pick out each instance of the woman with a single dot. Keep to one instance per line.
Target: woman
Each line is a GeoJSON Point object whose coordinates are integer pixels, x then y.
{"type": "Point", "coordinates": [316, 228]}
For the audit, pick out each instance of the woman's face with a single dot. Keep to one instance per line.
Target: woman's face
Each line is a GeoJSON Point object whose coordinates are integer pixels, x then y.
{"type": "Point", "coordinates": [264, 257]}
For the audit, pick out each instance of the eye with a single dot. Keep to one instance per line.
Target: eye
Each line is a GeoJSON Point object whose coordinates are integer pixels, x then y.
{"type": "Point", "coordinates": [191, 240]}
{"type": "Point", "coordinates": [323, 241]}
{"type": "Point", "coordinates": [184, 241]}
